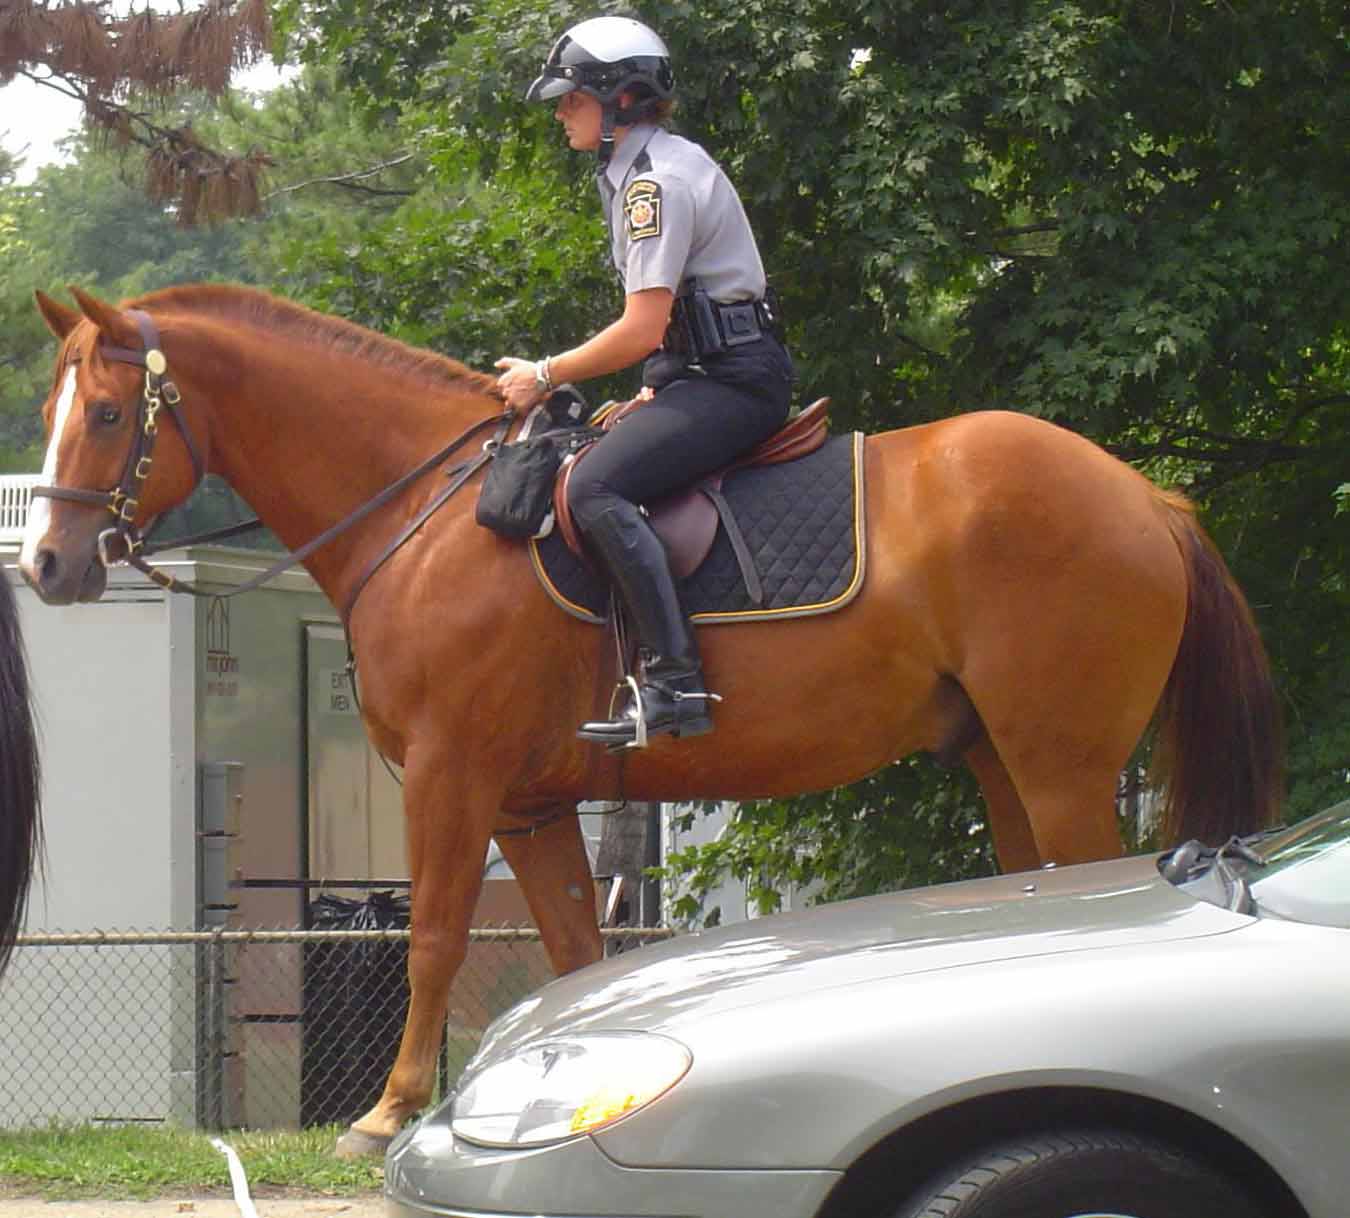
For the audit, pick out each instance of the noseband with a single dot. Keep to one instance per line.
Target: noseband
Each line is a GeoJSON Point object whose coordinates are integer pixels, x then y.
{"type": "Point", "coordinates": [123, 541]}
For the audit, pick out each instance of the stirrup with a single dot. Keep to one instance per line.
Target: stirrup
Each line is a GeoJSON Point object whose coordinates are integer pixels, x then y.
{"type": "Point", "coordinates": [639, 740]}
{"type": "Point", "coordinates": [677, 696]}
{"type": "Point", "coordinates": [638, 712]}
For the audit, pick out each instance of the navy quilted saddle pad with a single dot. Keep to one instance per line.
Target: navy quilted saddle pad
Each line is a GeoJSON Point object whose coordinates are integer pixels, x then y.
{"type": "Point", "coordinates": [802, 521]}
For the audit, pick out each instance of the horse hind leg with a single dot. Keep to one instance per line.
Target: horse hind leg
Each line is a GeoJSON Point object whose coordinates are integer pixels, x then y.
{"type": "Point", "coordinates": [1049, 757]}
{"type": "Point", "coordinates": [1014, 841]}
{"type": "Point", "coordinates": [1065, 679]}
{"type": "Point", "coordinates": [962, 737]}
{"type": "Point", "coordinates": [1061, 770]}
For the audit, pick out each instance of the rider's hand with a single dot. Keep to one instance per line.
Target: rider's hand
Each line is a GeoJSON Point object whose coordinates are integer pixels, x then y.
{"type": "Point", "coordinates": [518, 383]}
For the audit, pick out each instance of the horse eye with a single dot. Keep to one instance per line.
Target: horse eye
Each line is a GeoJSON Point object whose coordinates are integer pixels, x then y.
{"type": "Point", "coordinates": [109, 413]}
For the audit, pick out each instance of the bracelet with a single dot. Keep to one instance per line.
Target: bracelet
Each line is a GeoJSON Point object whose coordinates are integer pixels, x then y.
{"type": "Point", "coordinates": [541, 374]}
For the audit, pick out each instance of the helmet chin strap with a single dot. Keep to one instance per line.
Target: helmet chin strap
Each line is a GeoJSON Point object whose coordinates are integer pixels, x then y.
{"type": "Point", "coordinates": [612, 117]}
{"type": "Point", "coordinates": [609, 114]}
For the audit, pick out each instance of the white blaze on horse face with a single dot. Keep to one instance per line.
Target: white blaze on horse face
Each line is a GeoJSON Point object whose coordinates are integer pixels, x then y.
{"type": "Point", "coordinates": [40, 509]}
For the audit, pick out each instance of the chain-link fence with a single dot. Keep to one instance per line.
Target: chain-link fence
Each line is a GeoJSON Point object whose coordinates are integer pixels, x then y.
{"type": "Point", "coordinates": [214, 1029]}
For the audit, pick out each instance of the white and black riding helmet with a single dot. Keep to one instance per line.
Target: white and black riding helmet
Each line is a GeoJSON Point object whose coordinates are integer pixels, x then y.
{"type": "Point", "coordinates": [603, 57]}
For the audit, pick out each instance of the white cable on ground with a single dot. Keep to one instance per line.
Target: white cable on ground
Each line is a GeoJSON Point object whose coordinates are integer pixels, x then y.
{"type": "Point", "coordinates": [237, 1179]}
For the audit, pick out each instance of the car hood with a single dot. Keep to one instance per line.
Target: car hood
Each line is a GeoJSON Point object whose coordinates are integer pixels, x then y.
{"type": "Point", "coordinates": [1086, 908]}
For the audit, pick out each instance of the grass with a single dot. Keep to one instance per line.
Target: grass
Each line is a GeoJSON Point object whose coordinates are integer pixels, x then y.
{"type": "Point", "coordinates": [72, 1162]}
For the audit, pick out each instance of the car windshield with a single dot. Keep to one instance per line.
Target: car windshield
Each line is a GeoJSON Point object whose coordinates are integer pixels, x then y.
{"type": "Point", "coordinates": [1301, 874]}
{"type": "Point", "coordinates": [1304, 871]}
{"type": "Point", "coordinates": [1309, 839]}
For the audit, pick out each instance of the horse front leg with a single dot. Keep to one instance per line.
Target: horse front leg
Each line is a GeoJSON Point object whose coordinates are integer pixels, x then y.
{"type": "Point", "coordinates": [549, 861]}
{"type": "Point", "coordinates": [449, 825]}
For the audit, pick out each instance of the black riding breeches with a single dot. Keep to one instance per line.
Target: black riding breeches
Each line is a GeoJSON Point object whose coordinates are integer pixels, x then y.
{"type": "Point", "coordinates": [690, 428]}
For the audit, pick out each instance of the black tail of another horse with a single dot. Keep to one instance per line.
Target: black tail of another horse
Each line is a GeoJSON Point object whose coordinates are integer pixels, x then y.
{"type": "Point", "coordinates": [20, 786]}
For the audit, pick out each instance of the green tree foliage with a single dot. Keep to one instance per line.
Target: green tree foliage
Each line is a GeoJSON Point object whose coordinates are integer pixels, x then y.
{"type": "Point", "coordinates": [1130, 219]}
{"type": "Point", "coordinates": [338, 177]}
{"type": "Point", "coordinates": [89, 223]}
{"type": "Point", "coordinates": [907, 825]}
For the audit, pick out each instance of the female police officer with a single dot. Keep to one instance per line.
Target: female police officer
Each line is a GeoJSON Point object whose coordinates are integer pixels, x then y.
{"type": "Point", "coordinates": [718, 379]}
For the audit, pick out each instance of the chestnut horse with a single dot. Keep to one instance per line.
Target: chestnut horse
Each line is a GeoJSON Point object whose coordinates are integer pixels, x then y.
{"type": "Point", "coordinates": [1030, 603]}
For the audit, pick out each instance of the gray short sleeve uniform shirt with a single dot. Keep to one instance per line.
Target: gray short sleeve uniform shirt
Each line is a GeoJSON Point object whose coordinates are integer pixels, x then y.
{"type": "Point", "coordinates": [673, 214]}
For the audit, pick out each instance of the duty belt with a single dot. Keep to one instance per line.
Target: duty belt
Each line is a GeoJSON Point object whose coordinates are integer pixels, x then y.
{"type": "Point", "coordinates": [701, 326]}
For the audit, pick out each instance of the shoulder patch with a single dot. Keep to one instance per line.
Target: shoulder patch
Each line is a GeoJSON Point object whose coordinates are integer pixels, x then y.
{"type": "Point", "coordinates": [642, 209]}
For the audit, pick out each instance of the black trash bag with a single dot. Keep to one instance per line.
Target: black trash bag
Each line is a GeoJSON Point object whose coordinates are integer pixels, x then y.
{"type": "Point", "coordinates": [355, 1004]}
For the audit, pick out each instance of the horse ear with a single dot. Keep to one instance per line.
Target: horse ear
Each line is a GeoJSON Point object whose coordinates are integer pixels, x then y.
{"type": "Point", "coordinates": [115, 324]}
{"type": "Point", "coordinates": [60, 320]}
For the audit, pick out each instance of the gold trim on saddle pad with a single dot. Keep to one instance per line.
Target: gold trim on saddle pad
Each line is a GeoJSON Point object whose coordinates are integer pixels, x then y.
{"type": "Point", "coordinates": [749, 615]}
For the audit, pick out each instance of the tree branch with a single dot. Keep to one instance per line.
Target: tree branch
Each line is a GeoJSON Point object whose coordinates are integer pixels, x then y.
{"type": "Point", "coordinates": [918, 346]}
{"type": "Point", "coordinates": [1312, 406]}
{"type": "Point", "coordinates": [1023, 230]}
{"type": "Point", "coordinates": [66, 86]}
{"type": "Point", "coordinates": [1215, 448]}
{"type": "Point", "coordinates": [351, 181]}
{"type": "Point", "coordinates": [1252, 453]}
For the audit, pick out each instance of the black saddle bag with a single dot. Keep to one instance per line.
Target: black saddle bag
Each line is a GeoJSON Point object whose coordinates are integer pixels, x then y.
{"type": "Point", "coordinates": [517, 492]}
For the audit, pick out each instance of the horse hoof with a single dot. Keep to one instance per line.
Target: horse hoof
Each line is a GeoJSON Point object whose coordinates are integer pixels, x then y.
{"type": "Point", "coordinates": [356, 1144]}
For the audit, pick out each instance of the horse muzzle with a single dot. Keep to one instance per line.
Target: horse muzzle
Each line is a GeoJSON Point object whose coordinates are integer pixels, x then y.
{"type": "Point", "coordinates": [62, 578]}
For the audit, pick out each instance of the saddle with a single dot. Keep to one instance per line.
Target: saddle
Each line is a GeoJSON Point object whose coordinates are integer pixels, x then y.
{"type": "Point", "coordinates": [686, 522]}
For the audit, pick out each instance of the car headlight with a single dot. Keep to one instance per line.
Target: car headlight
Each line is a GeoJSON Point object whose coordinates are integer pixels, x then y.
{"type": "Point", "coordinates": [560, 1088]}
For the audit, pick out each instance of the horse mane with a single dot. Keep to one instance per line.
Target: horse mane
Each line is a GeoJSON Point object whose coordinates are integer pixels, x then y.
{"type": "Point", "coordinates": [252, 306]}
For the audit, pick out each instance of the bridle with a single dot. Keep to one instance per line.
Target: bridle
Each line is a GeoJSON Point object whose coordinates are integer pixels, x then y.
{"type": "Point", "coordinates": [124, 541]}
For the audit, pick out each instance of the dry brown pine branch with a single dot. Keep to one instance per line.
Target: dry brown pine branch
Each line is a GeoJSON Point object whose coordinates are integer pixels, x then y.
{"type": "Point", "coordinates": [86, 51]}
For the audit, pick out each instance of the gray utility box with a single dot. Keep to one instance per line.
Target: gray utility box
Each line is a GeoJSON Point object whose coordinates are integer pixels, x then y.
{"type": "Point", "coordinates": [187, 744]}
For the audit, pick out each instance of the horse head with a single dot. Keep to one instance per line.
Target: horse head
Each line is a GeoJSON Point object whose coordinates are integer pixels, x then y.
{"type": "Point", "coordinates": [111, 392]}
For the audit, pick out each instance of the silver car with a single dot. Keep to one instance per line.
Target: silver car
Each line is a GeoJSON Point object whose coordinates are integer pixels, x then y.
{"type": "Point", "coordinates": [1161, 1037]}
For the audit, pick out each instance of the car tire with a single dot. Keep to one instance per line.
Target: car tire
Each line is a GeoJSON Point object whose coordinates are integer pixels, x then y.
{"type": "Point", "coordinates": [1080, 1174]}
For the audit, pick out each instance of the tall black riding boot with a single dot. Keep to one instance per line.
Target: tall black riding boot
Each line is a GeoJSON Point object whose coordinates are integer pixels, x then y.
{"type": "Point", "coordinates": [671, 698]}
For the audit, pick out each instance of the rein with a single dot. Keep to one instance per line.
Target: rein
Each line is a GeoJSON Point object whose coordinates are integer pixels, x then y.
{"type": "Point", "coordinates": [125, 543]}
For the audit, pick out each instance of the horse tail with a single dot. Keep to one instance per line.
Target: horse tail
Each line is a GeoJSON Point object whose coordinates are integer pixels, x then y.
{"type": "Point", "coordinates": [20, 778]}
{"type": "Point", "coordinates": [1220, 747]}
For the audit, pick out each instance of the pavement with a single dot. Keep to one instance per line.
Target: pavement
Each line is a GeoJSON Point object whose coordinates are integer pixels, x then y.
{"type": "Point", "coordinates": [215, 1207]}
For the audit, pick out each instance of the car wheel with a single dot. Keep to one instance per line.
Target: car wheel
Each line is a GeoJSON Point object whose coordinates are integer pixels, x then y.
{"type": "Point", "coordinates": [1088, 1174]}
